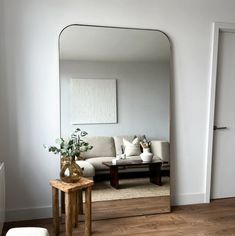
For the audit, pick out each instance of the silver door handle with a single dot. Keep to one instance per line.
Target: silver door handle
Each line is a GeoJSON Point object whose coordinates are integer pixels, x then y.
{"type": "Point", "coordinates": [215, 127]}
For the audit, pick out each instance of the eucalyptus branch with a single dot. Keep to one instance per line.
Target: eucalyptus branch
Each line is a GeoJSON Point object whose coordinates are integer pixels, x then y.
{"type": "Point", "coordinates": [72, 147]}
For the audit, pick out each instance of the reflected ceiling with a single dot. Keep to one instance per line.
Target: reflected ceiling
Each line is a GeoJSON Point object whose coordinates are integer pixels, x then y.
{"type": "Point", "coordinates": [131, 45]}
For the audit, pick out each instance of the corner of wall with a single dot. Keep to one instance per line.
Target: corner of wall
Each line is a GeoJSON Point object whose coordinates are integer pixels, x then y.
{"type": "Point", "coordinates": [187, 199]}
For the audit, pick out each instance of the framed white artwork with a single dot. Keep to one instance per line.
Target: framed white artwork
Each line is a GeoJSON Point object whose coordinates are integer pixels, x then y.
{"type": "Point", "coordinates": [93, 101]}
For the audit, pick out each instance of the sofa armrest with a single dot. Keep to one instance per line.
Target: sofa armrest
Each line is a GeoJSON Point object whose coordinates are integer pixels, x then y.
{"type": "Point", "coordinates": [161, 149]}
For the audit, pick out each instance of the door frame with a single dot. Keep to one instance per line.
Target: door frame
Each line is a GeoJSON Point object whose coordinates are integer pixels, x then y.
{"type": "Point", "coordinates": [218, 27]}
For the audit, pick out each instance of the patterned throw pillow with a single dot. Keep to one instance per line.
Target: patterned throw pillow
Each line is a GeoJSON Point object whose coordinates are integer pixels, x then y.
{"type": "Point", "coordinates": [132, 148]}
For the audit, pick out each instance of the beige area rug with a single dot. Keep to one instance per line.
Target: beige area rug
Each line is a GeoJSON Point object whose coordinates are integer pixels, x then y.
{"type": "Point", "coordinates": [130, 188]}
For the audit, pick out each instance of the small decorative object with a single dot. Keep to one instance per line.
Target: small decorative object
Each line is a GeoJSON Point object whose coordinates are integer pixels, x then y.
{"type": "Point", "coordinates": [146, 156]}
{"type": "Point", "coordinates": [70, 150]}
{"type": "Point", "coordinates": [145, 143]}
{"type": "Point", "coordinates": [118, 157]}
{"type": "Point", "coordinates": [114, 161]}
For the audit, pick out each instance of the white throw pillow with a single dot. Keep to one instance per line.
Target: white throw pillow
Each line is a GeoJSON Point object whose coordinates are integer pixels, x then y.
{"type": "Point", "coordinates": [132, 148]}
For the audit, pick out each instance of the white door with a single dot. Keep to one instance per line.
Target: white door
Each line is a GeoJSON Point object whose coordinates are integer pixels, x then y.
{"type": "Point", "coordinates": [223, 162]}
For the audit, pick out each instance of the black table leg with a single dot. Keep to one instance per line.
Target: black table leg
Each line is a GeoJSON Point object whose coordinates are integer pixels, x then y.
{"type": "Point", "coordinates": [155, 173]}
{"type": "Point", "coordinates": [114, 177]}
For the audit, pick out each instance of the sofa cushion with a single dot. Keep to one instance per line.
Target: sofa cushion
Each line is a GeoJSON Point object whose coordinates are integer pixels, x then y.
{"type": "Point", "coordinates": [137, 158]}
{"type": "Point", "coordinates": [102, 147]}
{"type": "Point", "coordinates": [97, 162]}
{"type": "Point", "coordinates": [134, 158]}
{"type": "Point", "coordinates": [132, 148]}
{"type": "Point", "coordinates": [118, 140]}
{"type": "Point", "coordinates": [161, 149]}
{"type": "Point", "coordinates": [88, 168]}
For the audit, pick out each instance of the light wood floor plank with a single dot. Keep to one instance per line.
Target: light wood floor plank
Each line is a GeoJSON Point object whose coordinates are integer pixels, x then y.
{"type": "Point", "coordinates": [216, 218]}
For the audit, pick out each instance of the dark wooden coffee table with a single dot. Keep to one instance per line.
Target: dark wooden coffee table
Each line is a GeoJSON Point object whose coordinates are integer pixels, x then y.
{"type": "Point", "coordinates": [154, 170]}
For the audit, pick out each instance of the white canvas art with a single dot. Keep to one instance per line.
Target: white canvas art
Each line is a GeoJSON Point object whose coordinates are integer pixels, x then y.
{"type": "Point", "coordinates": [93, 101]}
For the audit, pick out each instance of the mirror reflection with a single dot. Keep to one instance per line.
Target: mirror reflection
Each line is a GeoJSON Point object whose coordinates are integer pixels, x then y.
{"type": "Point", "coordinates": [115, 85]}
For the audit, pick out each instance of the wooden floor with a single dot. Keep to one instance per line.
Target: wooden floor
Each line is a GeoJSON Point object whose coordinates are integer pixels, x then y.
{"type": "Point", "coordinates": [130, 207]}
{"type": "Point", "coordinates": [216, 218]}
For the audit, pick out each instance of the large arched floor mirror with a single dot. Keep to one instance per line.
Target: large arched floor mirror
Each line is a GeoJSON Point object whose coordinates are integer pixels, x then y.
{"type": "Point", "coordinates": [115, 85]}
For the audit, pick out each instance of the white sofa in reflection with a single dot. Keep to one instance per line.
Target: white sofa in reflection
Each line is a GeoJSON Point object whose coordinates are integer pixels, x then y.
{"type": "Point", "coordinates": [107, 148]}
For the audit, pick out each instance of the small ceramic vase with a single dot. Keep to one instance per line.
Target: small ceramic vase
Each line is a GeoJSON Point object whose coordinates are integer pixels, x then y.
{"type": "Point", "coordinates": [146, 156]}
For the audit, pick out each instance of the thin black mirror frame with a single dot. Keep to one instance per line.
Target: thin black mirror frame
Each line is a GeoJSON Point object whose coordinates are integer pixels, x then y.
{"type": "Point", "coordinates": [170, 83]}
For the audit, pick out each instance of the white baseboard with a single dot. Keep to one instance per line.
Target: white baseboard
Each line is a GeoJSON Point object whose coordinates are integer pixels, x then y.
{"type": "Point", "coordinates": [2, 195]}
{"type": "Point", "coordinates": [187, 199]}
{"type": "Point", "coordinates": [28, 213]}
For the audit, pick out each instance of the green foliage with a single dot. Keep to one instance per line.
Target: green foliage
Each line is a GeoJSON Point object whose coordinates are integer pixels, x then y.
{"type": "Point", "coordinates": [71, 147]}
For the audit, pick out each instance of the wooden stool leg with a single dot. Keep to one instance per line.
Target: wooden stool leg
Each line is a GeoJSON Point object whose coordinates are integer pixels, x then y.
{"type": "Point", "coordinates": [75, 209]}
{"type": "Point", "coordinates": [55, 207]}
{"type": "Point", "coordinates": [62, 203]}
{"type": "Point", "coordinates": [80, 202]}
{"type": "Point", "coordinates": [68, 214]}
{"type": "Point", "coordinates": [88, 212]}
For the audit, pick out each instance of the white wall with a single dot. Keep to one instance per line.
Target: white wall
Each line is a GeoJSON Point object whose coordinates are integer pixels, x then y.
{"type": "Point", "coordinates": [3, 119]}
{"type": "Point", "coordinates": [142, 97]}
{"type": "Point", "coordinates": [30, 105]}
{"type": "Point", "coordinates": [3, 96]}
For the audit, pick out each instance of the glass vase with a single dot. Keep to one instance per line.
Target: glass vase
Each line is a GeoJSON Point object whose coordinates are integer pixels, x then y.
{"type": "Point", "coordinates": [70, 171]}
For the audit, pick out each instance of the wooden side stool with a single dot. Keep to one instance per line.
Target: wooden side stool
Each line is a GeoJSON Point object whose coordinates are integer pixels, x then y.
{"type": "Point", "coordinates": [71, 191]}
